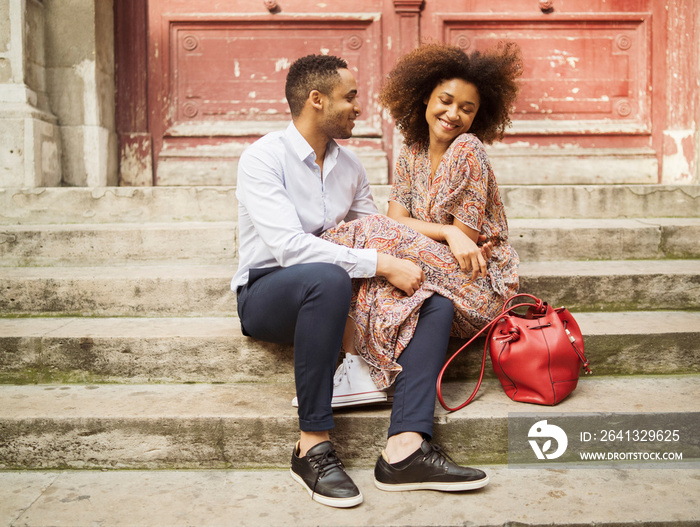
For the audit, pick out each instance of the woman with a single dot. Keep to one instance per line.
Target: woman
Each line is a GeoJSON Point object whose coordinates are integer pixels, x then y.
{"type": "Point", "coordinates": [444, 201]}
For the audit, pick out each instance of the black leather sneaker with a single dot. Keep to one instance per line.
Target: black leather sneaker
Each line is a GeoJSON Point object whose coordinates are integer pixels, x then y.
{"type": "Point", "coordinates": [428, 468]}
{"type": "Point", "coordinates": [323, 475]}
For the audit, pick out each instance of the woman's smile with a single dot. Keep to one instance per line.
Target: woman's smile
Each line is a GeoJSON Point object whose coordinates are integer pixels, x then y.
{"type": "Point", "coordinates": [448, 124]}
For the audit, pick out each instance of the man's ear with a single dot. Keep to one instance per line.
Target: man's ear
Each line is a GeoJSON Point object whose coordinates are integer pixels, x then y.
{"type": "Point", "coordinates": [317, 99]}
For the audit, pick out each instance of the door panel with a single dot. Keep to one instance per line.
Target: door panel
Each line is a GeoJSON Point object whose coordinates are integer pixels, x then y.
{"type": "Point", "coordinates": [584, 113]}
{"type": "Point", "coordinates": [231, 75]}
{"type": "Point", "coordinates": [587, 75]}
{"type": "Point", "coordinates": [221, 74]}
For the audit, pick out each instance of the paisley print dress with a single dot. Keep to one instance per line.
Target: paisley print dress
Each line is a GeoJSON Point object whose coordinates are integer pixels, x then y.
{"type": "Point", "coordinates": [463, 187]}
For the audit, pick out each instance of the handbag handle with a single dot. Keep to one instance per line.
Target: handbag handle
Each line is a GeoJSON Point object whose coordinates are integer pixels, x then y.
{"type": "Point", "coordinates": [539, 307]}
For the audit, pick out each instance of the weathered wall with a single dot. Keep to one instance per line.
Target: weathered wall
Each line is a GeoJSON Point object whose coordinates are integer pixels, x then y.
{"type": "Point", "coordinates": [697, 110]}
{"type": "Point", "coordinates": [680, 144]}
{"type": "Point", "coordinates": [57, 123]}
{"type": "Point", "coordinates": [29, 138]}
{"type": "Point", "coordinates": [80, 71]}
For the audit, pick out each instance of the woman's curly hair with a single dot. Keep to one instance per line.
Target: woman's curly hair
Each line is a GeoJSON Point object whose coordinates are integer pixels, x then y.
{"type": "Point", "coordinates": [494, 73]}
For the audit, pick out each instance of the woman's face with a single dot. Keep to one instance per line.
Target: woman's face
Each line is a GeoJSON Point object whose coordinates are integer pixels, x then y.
{"type": "Point", "coordinates": [451, 109]}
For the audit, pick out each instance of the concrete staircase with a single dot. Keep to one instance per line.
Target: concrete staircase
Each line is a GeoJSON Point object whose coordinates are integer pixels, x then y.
{"type": "Point", "coordinates": [120, 348]}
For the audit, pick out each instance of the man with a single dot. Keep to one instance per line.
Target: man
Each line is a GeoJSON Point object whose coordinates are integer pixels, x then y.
{"type": "Point", "coordinates": [295, 288]}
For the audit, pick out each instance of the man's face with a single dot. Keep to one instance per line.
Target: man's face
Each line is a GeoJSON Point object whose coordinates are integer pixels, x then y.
{"type": "Point", "coordinates": [342, 108]}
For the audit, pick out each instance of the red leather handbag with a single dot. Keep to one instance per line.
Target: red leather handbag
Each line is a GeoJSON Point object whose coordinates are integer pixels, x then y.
{"type": "Point", "coordinates": [537, 356]}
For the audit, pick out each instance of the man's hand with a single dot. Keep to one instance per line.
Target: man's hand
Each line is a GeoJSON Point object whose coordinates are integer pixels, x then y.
{"type": "Point", "coordinates": [402, 274]}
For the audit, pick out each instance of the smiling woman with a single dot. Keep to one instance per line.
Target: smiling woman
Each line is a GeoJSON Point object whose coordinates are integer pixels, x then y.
{"type": "Point", "coordinates": [494, 73]}
{"type": "Point", "coordinates": [450, 111]}
{"type": "Point", "coordinates": [436, 94]}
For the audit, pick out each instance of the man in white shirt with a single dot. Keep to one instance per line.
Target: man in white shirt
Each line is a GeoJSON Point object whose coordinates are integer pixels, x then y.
{"type": "Point", "coordinates": [295, 288]}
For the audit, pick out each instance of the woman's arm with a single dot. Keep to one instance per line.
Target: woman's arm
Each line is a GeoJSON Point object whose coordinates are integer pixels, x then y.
{"type": "Point", "coordinates": [399, 213]}
{"type": "Point", "coordinates": [461, 239]}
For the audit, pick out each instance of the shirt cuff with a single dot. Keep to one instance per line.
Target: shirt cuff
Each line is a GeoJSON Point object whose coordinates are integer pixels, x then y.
{"type": "Point", "coordinates": [366, 266]}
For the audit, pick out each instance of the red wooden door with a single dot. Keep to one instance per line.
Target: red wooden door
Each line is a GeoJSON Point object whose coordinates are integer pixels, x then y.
{"type": "Point", "coordinates": [584, 114]}
{"type": "Point", "coordinates": [592, 107]}
{"type": "Point", "coordinates": [217, 71]}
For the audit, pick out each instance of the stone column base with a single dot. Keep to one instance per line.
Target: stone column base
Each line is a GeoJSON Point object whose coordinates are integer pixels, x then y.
{"type": "Point", "coordinates": [30, 147]}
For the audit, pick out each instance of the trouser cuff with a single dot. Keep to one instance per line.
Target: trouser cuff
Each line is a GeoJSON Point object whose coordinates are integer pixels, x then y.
{"type": "Point", "coordinates": [316, 426]}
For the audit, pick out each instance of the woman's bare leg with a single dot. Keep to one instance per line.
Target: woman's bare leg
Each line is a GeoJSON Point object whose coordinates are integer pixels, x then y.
{"type": "Point", "coordinates": [349, 337]}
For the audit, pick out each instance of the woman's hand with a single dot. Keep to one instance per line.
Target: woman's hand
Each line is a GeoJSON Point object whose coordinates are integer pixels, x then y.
{"type": "Point", "coordinates": [469, 255]}
{"type": "Point", "coordinates": [486, 248]}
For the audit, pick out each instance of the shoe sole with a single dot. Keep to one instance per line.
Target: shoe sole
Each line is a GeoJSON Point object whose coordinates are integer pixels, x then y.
{"type": "Point", "coordinates": [360, 398]}
{"type": "Point", "coordinates": [341, 503]}
{"type": "Point", "coordinates": [354, 400]}
{"type": "Point", "coordinates": [433, 485]}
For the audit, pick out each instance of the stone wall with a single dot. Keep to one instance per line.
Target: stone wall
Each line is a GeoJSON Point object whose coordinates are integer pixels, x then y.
{"type": "Point", "coordinates": [80, 71]}
{"type": "Point", "coordinates": [57, 123]}
{"type": "Point", "coordinates": [30, 147]}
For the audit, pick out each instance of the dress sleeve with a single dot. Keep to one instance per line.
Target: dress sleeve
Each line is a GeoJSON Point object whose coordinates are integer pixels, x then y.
{"type": "Point", "coordinates": [401, 187]}
{"type": "Point", "coordinates": [468, 182]}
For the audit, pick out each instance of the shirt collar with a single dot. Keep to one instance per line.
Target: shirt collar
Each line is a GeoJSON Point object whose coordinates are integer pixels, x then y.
{"type": "Point", "coordinates": [303, 148]}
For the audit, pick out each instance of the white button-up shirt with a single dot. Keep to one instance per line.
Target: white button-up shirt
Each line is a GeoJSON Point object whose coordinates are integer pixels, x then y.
{"type": "Point", "coordinates": [284, 203]}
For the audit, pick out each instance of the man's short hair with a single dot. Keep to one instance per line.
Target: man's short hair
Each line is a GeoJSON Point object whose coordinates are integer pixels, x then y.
{"type": "Point", "coordinates": [313, 72]}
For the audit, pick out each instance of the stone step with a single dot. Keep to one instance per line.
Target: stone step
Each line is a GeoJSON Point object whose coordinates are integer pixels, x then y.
{"type": "Point", "coordinates": [161, 204]}
{"type": "Point", "coordinates": [213, 498]}
{"type": "Point", "coordinates": [591, 201]}
{"type": "Point", "coordinates": [146, 290]}
{"type": "Point", "coordinates": [191, 290]}
{"type": "Point", "coordinates": [116, 204]}
{"type": "Point", "coordinates": [618, 285]}
{"type": "Point", "coordinates": [213, 349]}
{"type": "Point", "coordinates": [605, 239]}
{"type": "Point", "coordinates": [215, 242]}
{"type": "Point", "coordinates": [254, 426]}
{"type": "Point", "coordinates": [117, 243]}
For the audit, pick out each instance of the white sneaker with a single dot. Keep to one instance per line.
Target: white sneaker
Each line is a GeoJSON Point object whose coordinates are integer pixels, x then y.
{"type": "Point", "coordinates": [352, 384]}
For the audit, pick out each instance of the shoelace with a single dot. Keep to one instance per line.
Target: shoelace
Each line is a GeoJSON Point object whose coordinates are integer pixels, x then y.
{"type": "Point", "coordinates": [324, 463]}
{"type": "Point", "coordinates": [340, 373]}
{"type": "Point", "coordinates": [437, 455]}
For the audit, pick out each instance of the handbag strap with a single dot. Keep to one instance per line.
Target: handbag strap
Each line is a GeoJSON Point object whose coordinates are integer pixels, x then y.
{"type": "Point", "coordinates": [539, 307]}
{"type": "Point", "coordinates": [481, 374]}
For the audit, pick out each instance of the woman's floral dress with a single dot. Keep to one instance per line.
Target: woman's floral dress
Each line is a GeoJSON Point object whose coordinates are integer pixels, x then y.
{"type": "Point", "coordinates": [463, 187]}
